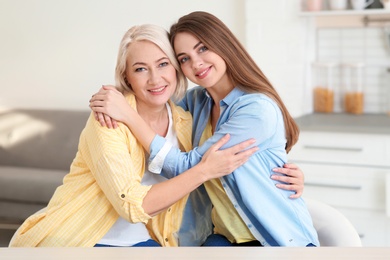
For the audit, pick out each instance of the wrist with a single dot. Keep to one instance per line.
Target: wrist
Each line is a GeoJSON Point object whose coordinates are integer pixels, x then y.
{"type": "Point", "coordinates": [201, 172]}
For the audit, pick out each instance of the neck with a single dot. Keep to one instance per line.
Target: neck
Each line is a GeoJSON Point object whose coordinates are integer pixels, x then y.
{"type": "Point", "coordinates": [155, 116]}
{"type": "Point", "coordinates": [219, 93]}
{"type": "Point", "coordinates": [220, 90]}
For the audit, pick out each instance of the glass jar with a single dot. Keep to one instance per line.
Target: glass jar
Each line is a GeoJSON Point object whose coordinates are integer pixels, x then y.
{"type": "Point", "coordinates": [323, 86]}
{"type": "Point", "coordinates": [313, 5]}
{"type": "Point", "coordinates": [353, 88]}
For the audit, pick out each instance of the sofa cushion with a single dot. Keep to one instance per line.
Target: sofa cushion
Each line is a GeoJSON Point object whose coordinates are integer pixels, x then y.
{"type": "Point", "coordinates": [16, 213]}
{"type": "Point", "coordinates": [28, 185]}
{"type": "Point", "coordinates": [44, 139]}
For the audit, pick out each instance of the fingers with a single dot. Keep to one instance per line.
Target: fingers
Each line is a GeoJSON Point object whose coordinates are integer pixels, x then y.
{"type": "Point", "coordinates": [291, 166]}
{"type": "Point", "coordinates": [101, 119]}
{"type": "Point", "coordinates": [286, 179]}
{"type": "Point", "coordinates": [221, 142]}
{"type": "Point", "coordinates": [296, 195]}
{"type": "Point", "coordinates": [290, 170]}
{"type": "Point", "coordinates": [107, 119]}
{"type": "Point", "coordinates": [238, 148]}
{"type": "Point", "coordinates": [290, 178]}
{"type": "Point", "coordinates": [243, 156]}
{"type": "Point", "coordinates": [110, 122]}
{"type": "Point", "coordinates": [297, 192]}
{"type": "Point", "coordinates": [108, 87]}
{"type": "Point", "coordinates": [285, 171]}
{"type": "Point", "coordinates": [114, 123]}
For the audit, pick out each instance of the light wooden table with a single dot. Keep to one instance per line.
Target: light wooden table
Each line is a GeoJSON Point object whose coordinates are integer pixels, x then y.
{"type": "Point", "coordinates": [332, 253]}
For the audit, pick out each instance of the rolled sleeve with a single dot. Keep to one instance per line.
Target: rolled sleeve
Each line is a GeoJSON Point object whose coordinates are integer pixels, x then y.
{"type": "Point", "coordinates": [157, 162]}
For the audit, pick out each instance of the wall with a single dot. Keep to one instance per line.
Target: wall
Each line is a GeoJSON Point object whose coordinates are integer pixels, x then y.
{"type": "Point", "coordinates": [278, 40]}
{"type": "Point", "coordinates": [286, 44]}
{"type": "Point", "coordinates": [358, 44]}
{"type": "Point", "coordinates": [56, 54]}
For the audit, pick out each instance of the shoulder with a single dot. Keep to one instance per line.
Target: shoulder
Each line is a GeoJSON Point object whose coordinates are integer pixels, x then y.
{"type": "Point", "coordinates": [257, 103]}
{"type": "Point", "coordinates": [94, 130]}
{"type": "Point", "coordinates": [196, 93]}
{"type": "Point", "coordinates": [179, 112]}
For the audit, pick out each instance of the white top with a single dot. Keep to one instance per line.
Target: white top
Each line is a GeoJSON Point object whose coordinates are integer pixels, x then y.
{"type": "Point", "coordinates": [124, 233]}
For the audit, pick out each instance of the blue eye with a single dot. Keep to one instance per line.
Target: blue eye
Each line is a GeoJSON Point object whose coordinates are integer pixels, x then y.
{"type": "Point", "coordinates": [203, 49]}
{"type": "Point", "coordinates": [139, 69]}
{"type": "Point", "coordinates": [164, 64]}
{"type": "Point", "coordinates": [182, 60]}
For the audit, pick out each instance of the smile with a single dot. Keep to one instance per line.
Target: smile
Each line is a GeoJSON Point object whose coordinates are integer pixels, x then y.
{"type": "Point", "coordinates": [203, 73]}
{"type": "Point", "coordinates": [157, 90]}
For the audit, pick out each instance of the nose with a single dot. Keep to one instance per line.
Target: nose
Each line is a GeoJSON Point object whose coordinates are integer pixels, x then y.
{"type": "Point", "coordinates": [197, 62]}
{"type": "Point", "coordinates": [154, 77]}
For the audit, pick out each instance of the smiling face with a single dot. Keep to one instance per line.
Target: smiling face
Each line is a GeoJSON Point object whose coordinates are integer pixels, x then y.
{"type": "Point", "coordinates": [150, 74]}
{"type": "Point", "coordinates": [199, 64]}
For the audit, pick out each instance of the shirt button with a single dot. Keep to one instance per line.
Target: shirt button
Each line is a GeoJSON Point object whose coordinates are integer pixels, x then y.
{"type": "Point", "coordinates": [123, 196]}
{"type": "Point", "coordinates": [169, 210]}
{"type": "Point", "coordinates": [249, 225]}
{"type": "Point", "coordinates": [166, 239]}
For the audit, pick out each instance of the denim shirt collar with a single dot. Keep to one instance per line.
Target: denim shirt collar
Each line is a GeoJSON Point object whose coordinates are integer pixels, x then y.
{"type": "Point", "coordinates": [230, 98]}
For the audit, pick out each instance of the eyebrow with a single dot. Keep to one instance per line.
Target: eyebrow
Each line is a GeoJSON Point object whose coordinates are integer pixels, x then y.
{"type": "Point", "coordinates": [196, 46]}
{"type": "Point", "coordinates": [143, 63]}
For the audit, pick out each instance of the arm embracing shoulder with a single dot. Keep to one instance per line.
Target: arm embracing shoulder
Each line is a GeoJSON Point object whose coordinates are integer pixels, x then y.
{"type": "Point", "coordinates": [250, 117]}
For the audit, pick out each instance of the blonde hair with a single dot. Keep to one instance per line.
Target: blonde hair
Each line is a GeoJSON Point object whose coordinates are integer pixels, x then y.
{"type": "Point", "coordinates": [241, 68]}
{"type": "Point", "coordinates": [154, 34]}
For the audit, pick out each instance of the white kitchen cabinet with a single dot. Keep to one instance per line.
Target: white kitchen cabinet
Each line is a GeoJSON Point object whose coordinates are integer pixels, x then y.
{"type": "Point", "coordinates": [349, 169]}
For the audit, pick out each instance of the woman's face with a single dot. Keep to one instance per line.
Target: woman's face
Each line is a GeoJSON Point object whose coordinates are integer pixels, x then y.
{"type": "Point", "coordinates": [199, 64]}
{"type": "Point", "coordinates": [150, 73]}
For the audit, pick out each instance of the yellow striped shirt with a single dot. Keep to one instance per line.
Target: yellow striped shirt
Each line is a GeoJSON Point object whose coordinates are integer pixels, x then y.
{"type": "Point", "coordinates": [104, 182]}
{"type": "Point", "coordinates": [226, 219]}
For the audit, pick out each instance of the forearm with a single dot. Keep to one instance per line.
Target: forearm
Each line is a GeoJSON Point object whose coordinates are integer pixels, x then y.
{"type": "Point", "coordinates": [214, 164]}
{"type": "Point", "coordinates": [140, 129]}
{"type": "Point", "coordinates": [162, 195]}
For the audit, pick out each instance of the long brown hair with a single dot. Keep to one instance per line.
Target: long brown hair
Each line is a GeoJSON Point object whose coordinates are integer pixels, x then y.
{"type": "Point", "coordinates": [241, 68]}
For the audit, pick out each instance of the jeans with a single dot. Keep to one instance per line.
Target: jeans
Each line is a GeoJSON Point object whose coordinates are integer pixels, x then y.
{"type": "Point", "coordinates": [219, 240]}
{"type": "Point", "coordinates": [147, 243]}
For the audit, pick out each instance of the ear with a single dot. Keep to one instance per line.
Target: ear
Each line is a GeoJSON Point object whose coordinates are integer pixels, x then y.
{"type": "Point", "coordinates": [127, 83]}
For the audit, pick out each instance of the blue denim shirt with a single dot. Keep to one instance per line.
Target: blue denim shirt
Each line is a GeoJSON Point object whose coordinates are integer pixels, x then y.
{"type": "Point", "coordinates": [272, 218]}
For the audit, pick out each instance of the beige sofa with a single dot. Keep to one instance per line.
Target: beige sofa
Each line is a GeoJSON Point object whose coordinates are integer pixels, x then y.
{"type": "Point", "coordinates": [36, 150]}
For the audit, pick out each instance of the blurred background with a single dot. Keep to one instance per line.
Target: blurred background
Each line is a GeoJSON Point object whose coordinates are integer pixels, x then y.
{"type": "Point", "coordinates": [328, 59]}
{"type": "Point", "coordinates": [55, 54]}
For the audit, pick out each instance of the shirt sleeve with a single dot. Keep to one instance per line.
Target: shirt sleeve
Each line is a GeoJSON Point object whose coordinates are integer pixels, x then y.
{"type": "Point", "coordinates": [118, 165]}
{"type": "Point", "coordinates": [250, 117]}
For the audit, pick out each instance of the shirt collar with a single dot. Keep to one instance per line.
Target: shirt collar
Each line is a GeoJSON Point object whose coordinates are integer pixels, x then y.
{"type": "Point", "coordinates": [232, 96]}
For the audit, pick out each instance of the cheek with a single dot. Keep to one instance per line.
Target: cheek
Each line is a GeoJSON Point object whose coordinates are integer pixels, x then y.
{"type": "Point", "coordinates": [186, 70]}
{"type": "Point", "coordinates": [136, 83]}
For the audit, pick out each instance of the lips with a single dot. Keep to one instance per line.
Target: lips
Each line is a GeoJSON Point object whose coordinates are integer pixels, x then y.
{"type": "Point", "coordinates": [157, 90]}
{"type": "Point", "coordinates": [203, 73]}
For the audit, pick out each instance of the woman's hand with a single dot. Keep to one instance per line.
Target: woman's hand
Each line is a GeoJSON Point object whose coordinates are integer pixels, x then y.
{"type": "Point", "coordinates": [294, 178]}
{"type": "Point", "coordinates": [109, 106]}
{"type": "Point", "coordinates": [217, 163]}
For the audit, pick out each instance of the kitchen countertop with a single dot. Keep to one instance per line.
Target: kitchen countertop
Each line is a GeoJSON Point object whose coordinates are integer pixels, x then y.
{"type": "Point", "coordinates": [341, 122]}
